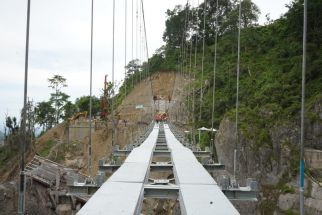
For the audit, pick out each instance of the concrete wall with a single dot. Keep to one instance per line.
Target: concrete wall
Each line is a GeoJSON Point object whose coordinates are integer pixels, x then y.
{"type": "Point", "coordinates": [78, 130]}
{"type": "Point", "coordinates": [313, 158]}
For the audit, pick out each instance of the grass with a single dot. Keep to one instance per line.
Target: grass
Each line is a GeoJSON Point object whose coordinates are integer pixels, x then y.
{"type": "Point", "coordinates": [289, 212]}
{"type": "Point", "coordinates": [5, 154]}
{"type": "Point", "coordinates": [287, 189]}
{"type": "Point", "coordinates": [44, 151]}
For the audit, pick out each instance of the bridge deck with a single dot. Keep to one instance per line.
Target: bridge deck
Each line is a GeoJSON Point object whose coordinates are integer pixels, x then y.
{"type": "Point", "coordinates": [123, 191]}
{"type": "Point", "coordinates": [199, 193]}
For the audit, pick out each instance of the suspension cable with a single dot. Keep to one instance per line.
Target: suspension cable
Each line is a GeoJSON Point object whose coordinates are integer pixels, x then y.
{"type": "Point", "coordinates": [90, 96]}
{"type": "Point", "coordinates": [182, 48]}
{"type": "Point", "coordinates": [187, 50]}
{"type": "Point", "coordinates": [194, 77]}
{"type": "Point", "coordinates": [237, 91]}
{"type": "Point", "coordinates": [215, 68]}
{"type": "Point", "coordinates": [190, 71]}
{"type": "Point", "coordinates": [185, 47]}
{"type": "Point", "coordinates": [23, 135]}
{"type": "Point", "coordinates": [147, 48]}
{"type": "Point", "coordinates": [136, 30]}
{"type": "Point", "coordinates": [113, 87]}
{"type": "Point", "coordinates": [125, 42]}
{"type": "Point", "coordinates": [132, 56]}
{"type": "Point", "coordinates": [303, 110]}
{"type": "Point", "coordinates": [140, 41]}
{"type": "Point", "coordinates": [203, 58]}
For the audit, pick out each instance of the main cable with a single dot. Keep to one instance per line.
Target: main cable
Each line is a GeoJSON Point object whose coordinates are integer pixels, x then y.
{"type": "Point", "coordinates": [147, 48]}
{"type": "Point", "coordinates": [203, 59]}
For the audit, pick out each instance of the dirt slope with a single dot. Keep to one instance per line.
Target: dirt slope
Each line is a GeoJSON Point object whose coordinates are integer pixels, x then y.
{"type": "Point", "coordinates": [75, 154]}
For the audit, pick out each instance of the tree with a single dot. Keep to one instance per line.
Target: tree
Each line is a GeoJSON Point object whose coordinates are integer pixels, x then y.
{"type": "Point", "coordinates": [133, 67]}
{"type": "Point", "coordinates": [82, 104]}
{"type": "Point", "coordinates": [250, 13]}
{"type": "Point", "coordinates": [58, 98]}
{"type": "Point", "coordinates": [175, 30]}
{"type": "Point", "coordinates": [9, 124]}
{"type": "Point", "coordinates": [45, 115]}
{"type": "Point", "coordinates": [69, 110]}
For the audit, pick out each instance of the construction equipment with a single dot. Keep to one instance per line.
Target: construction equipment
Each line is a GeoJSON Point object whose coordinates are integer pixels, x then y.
{"type": "Point", "coordinates": [161, 117]}
{"type": "Point", "coordinates": [104, 99]}
{"type": "Point", "coordinates": [78, 115]}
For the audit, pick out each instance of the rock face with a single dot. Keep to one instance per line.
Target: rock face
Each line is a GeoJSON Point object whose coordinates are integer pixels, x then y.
{"type": "Point", "coordinates": [36, 199]}
{"type": "Point", "coordinates": [266, 163]}
{"type": "Point", "coordinates": [313, 206]}
{"type": "Point", "coordinates": [314, 126]}
{"type": "Point", "coordinates": [273, 162]}
{"type": "Point", "coordinates": [287, 201]}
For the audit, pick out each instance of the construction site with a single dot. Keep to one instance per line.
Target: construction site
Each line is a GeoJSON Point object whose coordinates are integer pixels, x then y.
{"type": "Point", "coordinates": [60, 182]}
{"type": "Point", "coordinates": [224, 117]}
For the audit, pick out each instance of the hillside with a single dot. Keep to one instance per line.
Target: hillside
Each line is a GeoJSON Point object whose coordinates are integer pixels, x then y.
{"type": "Point", "coordinates": [269, 96]}
{"type": "Point", "coordinates": [181, 83]}
{"type": "Point", "coordinates": [66, 148]}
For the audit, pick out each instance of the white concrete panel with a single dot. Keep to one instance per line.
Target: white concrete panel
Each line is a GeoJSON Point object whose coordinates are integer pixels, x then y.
{"type": "Point", "coordinates": [113, 198]}
{"type": "Point", "coordinates": [139, 155]}
{"type": "Point", "coordinates": [193, 173]}
{"type": "Point", "coordinates": [205, 200]}
{"type": "Point", "coordinates": [130, 172]}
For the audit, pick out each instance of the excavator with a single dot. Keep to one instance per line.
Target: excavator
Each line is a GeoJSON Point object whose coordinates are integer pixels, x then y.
{"type": "Point", "coordinates": [78, 115]}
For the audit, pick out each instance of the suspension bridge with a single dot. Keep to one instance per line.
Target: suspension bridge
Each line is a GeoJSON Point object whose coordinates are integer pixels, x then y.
{"type": "Point", "coordinates": [162, 148]}
{"type": "Point", "coordinates": [194, 188]}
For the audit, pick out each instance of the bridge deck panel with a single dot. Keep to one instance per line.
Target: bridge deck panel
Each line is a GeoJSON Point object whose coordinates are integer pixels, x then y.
{"type": "Point", "coordinates": [114, 198]}
{"type": "Point", "coordinates": [123, 192]}
{"type": "Point", "coordinates": [205, 199]}
{"type": "Point", "coordinates": [199, 192]}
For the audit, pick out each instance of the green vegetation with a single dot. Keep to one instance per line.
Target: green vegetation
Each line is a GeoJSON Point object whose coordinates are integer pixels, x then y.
{"type": "Point", "coordinates": [82, 104]}
{"type": "Point", "coordinates": [73, 149]}
{"type": "Point", "coordinates": [289, 212]}
{"type": "Point", "coordinates": [44, 150]}
{"type": "Point", "coordinates": [270, 70]}
{"type": "Point", "coordinates": [6, 154]}
{"type": "Point", "coordinates": [287, 189]}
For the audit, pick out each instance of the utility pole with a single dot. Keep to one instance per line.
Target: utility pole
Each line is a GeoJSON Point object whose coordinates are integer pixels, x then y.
{"type": "Point", "coordinates": [23, 136]}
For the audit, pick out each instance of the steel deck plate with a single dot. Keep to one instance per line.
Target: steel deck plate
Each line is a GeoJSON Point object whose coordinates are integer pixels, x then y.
{"type": "Point", "coordinates": [139, 155]}
{"type": "Point", "coordinates": [205, 199]}
{"type": "Point", "coordinates": [130, 172]}
{"type": "Point", "coordinates": [193, 173]}
{"type": "Point", "coordinates": [114, 198]}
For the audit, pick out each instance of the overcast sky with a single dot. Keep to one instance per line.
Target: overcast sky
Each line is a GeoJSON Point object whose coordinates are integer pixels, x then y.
{"type": "Point", "coordinates": [60, 43]}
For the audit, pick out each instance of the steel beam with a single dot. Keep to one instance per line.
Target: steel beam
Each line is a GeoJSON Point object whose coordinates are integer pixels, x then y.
{"type": "Point", "coordinates": [110, 168]}
{"type": "Point", "coordinates": [213, 167]}
{"type": "Point", "coordinates": [161, 191]}
{"type": "Point", "coordinates": [240, 194]}
{"type": "Point", "coordinates": [162, 153]}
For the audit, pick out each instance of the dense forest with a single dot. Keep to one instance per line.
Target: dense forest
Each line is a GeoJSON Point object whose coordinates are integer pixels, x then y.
{"type": "Point", "coordinates": [270, 68]}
